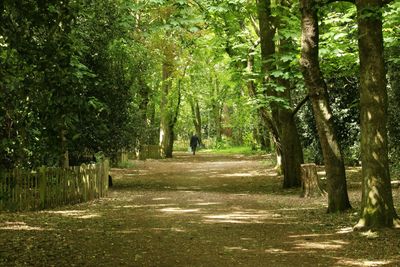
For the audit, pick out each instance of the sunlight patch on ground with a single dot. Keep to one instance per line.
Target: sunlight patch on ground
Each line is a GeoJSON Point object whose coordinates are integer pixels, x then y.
{"type": "Point", "coordinates": [188, 189]}
{"type": "Point", "coordinates": [131, 231]}
{"type": "Point", "coordinates": [235, 249]}
{"type": "Point", "coordinates": [241, 174]}
{"type": "Point", "coordinates": [20, 226]}
{"type": "Point", "coordinates": [310, 235]}
{"type": "Point", "coordinates": [238, 217]}
{"type": "Point", "coordinates": [370, 234]}
{"type": "Point", "coordinates": [271, 173]}
{"type": "Point", "coordinates": [353, 169]}
{"type": "Point", "coordinates": [179, 210]}
{"type": "Point", "coordinates": [80, 214]}
{"type": "Point", "coordinates": [144, 206]}
{"type": "Point", "coordinates": [277, 251]}
{"type": "Point", "coordinates": [345, 230]}
{"type": "Point", "coordinates": [332, 244]}
{"type": "Point", "coordinates": [173, 229]}
{"type": "Point", "coordinates": [179, 230]}
{"type": "Point", "coordinates": [207, 203]}
{"type": "Point", "coordinates": [362, 262]}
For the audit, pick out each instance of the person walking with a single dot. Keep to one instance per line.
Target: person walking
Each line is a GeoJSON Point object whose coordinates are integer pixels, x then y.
{"type": "Point", "coordinates": [194, 141]}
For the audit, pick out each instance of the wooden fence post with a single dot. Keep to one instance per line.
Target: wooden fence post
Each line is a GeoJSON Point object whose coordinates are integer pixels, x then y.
{"type": "Point", "coordinates": [42, 187]}
{"type": "Point", "coordinates": [2, 189]}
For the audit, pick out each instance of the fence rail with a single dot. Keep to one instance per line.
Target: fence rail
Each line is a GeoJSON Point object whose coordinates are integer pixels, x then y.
{"type": "Point", "coordinates": [52, 187]}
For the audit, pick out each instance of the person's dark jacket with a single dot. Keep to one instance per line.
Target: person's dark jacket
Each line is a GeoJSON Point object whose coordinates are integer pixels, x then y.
{"type": "Point", "coordinates": [194, 141]}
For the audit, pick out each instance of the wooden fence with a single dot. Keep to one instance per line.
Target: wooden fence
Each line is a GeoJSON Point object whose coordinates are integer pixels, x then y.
{"type": "Point", "coordinates": [149, 152]}
{"type": "Point", "coordinates": [52, 187]}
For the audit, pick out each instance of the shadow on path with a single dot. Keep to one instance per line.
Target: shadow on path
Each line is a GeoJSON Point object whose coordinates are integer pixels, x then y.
{"type": "Point", "coordinates": [207, 210]}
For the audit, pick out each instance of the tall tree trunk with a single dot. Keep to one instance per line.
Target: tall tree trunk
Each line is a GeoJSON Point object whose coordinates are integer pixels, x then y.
{"type": "Point", "coordinates": [153, 136]}
{"type": "Point", "coordinates": [196, 116]}
{"type": "Point", "coordinates": [216, 110]}
{"type": "Point", "coordinates": [64, 162]}
{"type": "Point", "coordinates": [334, 165]}
{"type": "Point", "coordinates": [377, 208]}
{"type": "Point", "coordinates": [166, 118]}
{"type": "Point", "coordinates": [288, 142]}
{"type": "Point", "coordinates": [144, 91]}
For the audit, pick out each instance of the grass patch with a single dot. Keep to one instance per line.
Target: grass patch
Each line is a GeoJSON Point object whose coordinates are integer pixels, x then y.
{"type": "Point", "coordinates": [125, 165]}
{"type": "Point", "coordinates": [245, 150]}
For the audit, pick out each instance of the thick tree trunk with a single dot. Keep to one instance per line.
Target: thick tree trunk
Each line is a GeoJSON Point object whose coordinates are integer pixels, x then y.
{"type": "Point", "coordinates": [289, 142]}
{"type": "Point", "coordinates": [377, 208]}
{"type": "Point", "coordinates": [336, 177]}
{"type": "Point", "coordinates": [292, 150]}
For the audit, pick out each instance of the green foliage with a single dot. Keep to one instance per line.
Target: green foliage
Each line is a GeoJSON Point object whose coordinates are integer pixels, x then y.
{"type": "Point", "coordinates": [92, 72]}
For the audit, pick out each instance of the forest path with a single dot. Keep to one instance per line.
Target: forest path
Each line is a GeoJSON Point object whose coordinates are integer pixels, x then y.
{"type": "Point", "coordinates": [203, 210]}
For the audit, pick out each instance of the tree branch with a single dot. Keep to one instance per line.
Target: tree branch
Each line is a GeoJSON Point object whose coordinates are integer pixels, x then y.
{"type": "Point", "coordinates": [255, 25]}
{"type": "Point", "coordinates": [299, 105]}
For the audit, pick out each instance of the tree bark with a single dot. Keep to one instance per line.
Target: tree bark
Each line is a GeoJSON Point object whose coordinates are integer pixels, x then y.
{"type": "Point", "coordinates": [196, 117]}
{"type": "Point", "coordinates": [310, 182]}
{"type": "Point", "coordinates": [144, 91]}
{"type": "Point", "coordinates": [377, 209]}
{"type": "Point", "coordinates": [64, 157]}
{"type": "Point", "coordinates": [336, 177]}
{"type": "Point", "coordinates": [216, 109]}
{"type": "Point", "coordinates": [292, 149]}
{"type": "Point", "coordinates": [166, 135]}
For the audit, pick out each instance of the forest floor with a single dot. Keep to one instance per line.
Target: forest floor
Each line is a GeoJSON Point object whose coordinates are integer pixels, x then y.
{"type": "Point", "coordinates": [204, 210]}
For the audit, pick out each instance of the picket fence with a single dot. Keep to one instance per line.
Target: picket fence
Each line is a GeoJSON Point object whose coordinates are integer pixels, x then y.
{"type": "Point", "coordinates": [22, 190]}
{"type": "Point", "coordinates": [149, 152]}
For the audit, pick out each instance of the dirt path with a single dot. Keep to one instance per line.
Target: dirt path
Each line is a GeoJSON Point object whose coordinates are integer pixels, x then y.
{"type": "Point", "coordinates": [205, 210]}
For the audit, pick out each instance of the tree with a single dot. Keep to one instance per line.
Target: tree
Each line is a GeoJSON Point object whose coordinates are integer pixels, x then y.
{"type": "Point", "coordinates": [288, 143]}
{"type": "Point", "coordinates": [336, 177]}
{"type": "Point", "coordinates": [377, 208]}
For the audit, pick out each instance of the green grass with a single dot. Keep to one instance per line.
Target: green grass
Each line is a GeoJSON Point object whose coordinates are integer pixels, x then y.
{"type": "Point", "coordinates": [234, 150]}
{"type": "Point", "coordinates": [125, 165]}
